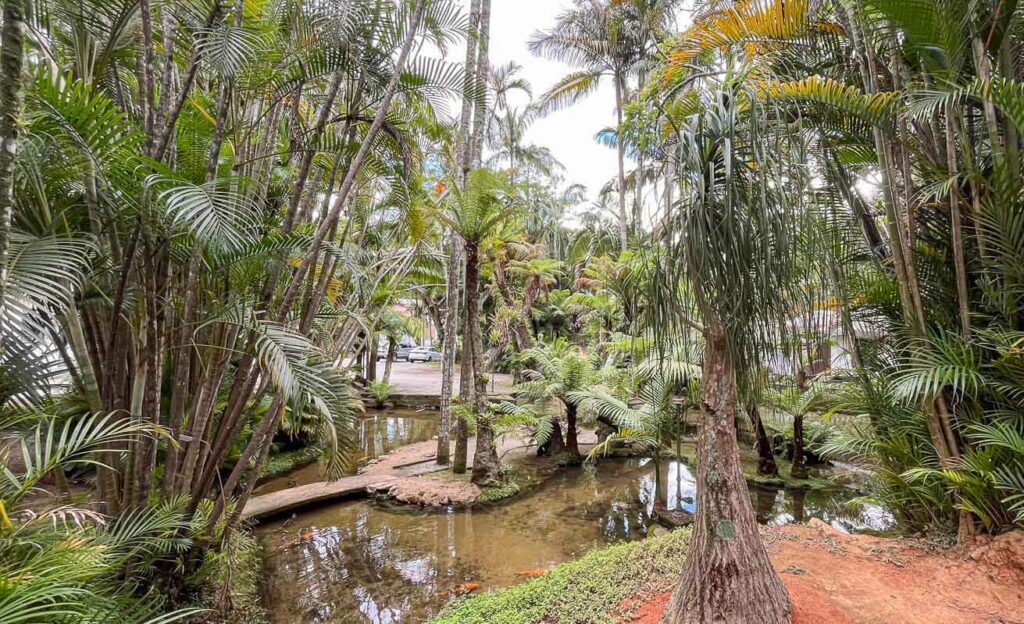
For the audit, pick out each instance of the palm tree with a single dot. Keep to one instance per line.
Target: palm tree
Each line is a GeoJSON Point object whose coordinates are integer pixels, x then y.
{"type": "Point", "coordinates": [11, 59]}
{"type": "Point", "coordinates": [538, 275]}
{"type": "Point", "coordinates": [557, 373]}
{"type": "Point", "coordinates": [729, 242]}
{"type": "Point", "coordinates": [798, 402]}
{"type": "Point", "coordinates": [210, 266]}
{"type": "Point", "coordinates": [395, 327]}
{"type": "Point", "coordinates": [657, 423]}
{"type": "Point", "coordinates": [66, 563]}
{"type": "Point", "coordinates": [473, 213]}
{"type": "Point", "coordinates": [585, 37]}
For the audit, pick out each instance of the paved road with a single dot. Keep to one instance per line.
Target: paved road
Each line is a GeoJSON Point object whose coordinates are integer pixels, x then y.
{"type": "Point", "coordinates": [425, 378]}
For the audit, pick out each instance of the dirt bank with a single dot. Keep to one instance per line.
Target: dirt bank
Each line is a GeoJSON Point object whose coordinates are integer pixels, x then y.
{"type": "Point", "coordinates": [835, 578]}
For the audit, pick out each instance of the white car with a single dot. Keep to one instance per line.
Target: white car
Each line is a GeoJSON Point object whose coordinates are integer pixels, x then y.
{"type": "Point", "coordinates": [401, 353]}
{"type": "Point", "coordinates": [424, 354]}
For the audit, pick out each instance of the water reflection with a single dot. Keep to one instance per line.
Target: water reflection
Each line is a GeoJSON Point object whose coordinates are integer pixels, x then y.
{"type": "Point", "coordinates": [377, 433]}
{"type": "Point", "coordinates": [364, 563]}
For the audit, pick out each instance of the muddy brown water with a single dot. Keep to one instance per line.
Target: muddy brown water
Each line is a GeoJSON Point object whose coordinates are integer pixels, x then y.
{"type": "Point", "coordinates": [366, 563]}
{"type": "Point", "coordinates": [378, 432]}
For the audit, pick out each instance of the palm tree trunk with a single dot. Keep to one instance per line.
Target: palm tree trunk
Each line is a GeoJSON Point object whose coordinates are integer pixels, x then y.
{"type": "Point", "coordinates": [163, 141]}
{"type": "Point", "coordinates": [12, 56]}
{"type": "Point", "coordinates": [466, 394]}
{"type": "Point", "coordinates": [451, 330]}
{"type": "Point", "coordinates": [728, 577]}
{"type": "Point", "coordinates": [451, 316]}
{"type": "Point", "coordinates": [799, 469]}
{"type": "Point", "coordinates": [555, 444]}
{"type": "Point", "coordinates": [765, 457]}
{"type": "Point", "coordinates": [357, 163]}
{"type": "Point", "coordinates": [486, 465]}
{"type": "Point", "coordinates": [389, 360]}
{"type": "Point", "coordinates": [620, 148]}
{"type": "Point", "coordinates": [960, 266]}
{"type": "Point", "coordinates": [571, 444]}
{"type": "Point", "coordinates": [483, 67]}
{"type": "Point", "coordinates": [371, 359]}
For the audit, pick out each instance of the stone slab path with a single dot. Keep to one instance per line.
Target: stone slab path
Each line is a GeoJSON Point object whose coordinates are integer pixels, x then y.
{"type": "Point", "coordinates": [407, 474]}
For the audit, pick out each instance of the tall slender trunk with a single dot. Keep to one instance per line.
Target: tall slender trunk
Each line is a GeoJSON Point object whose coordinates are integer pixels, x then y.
{"type": "Point", "coordinates": [940, 424]}
{"type": "Point", "coordinates": [962, 296]}
{"type": "Point", "coordinates": [356, 165]}
{"type": "Point", "coordinates": [620, 148]}
{"type": "Point", "coordinates": [486, 465]}
{"type": "Point", "coordinates": [163, 140]}
{"type": "Point", "coordinates": [389, 360]}
{"type": "Point", "coordinates": [483, 67]}
{"type": "Point", "coordinates": [466, 393]}
{"type": "Point", "coordinates": [728, 577]}
{"type": "Point", "coordinates": [448, 351]}
{"type": "Point", "coordinates": [371, 359]}
{"type": "Point", "coordinates": [451, 315]}
{"type": "Point", "coordinates": [146, 88]}
{"type": "Point", "coordinates": [12, 56]}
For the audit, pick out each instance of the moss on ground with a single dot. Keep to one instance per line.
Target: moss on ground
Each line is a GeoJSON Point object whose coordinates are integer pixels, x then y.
{"type": "Point", "coordinates": [590, 590]}
{"type": "Point", "coordinates": [283, 463]}
{"type": "Point", "coordinates": [496, 493]}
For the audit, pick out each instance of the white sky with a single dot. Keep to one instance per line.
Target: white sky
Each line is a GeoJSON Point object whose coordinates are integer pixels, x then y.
{"type": "Point", "coordinates": [569, 133]}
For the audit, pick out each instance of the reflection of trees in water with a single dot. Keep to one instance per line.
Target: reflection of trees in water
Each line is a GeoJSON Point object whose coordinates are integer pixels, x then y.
{"type": "Point", "coordinates": [387, 565]}
{"type": "Point", "coordinates": [333, 572]}
{"type": "Point", "coordinates": [381, 433]}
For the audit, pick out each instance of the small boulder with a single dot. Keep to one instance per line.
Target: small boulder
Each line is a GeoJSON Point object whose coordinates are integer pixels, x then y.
{"type": "Point", "coordinates": [673, 519]}
{"type": "Point", "coordinates": [1006, 550]}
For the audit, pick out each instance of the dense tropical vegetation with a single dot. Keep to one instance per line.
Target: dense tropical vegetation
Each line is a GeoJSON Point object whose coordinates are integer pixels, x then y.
{"type": "Point", "coordinates": [212, 213]}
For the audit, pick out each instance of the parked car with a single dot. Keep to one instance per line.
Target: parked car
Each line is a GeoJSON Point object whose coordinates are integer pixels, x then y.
{"type": "Point", "coordinates": [424, 354]}
{"type": "Point", "coordinates": [402, 353]}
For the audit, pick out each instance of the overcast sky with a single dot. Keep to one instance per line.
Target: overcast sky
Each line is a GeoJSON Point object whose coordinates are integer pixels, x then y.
{"type": "Point", "coordinates": [570, 132]}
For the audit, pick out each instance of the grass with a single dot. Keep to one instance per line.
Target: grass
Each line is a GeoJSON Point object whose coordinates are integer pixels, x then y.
{"type": "Point", "coordinates": [590, 590]}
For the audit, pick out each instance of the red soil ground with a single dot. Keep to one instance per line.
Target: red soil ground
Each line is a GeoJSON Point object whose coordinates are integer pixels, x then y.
{"type": "Point", "coordinates": [835, 578]}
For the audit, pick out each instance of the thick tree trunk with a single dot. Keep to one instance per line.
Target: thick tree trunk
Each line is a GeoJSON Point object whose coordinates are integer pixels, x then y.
{"type": "Point", "coordinates": [728, 577]}
{"type": "Point", "coordinates": [486, 465]}
{"type": "Point", "coordinates": [572, 447]}
{"type": "Point", "coordinates": [765, 457]}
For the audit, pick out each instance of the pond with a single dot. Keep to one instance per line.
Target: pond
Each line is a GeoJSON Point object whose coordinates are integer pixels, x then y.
{"type": "Point", "coordinates": [378, 432]}
{"type": "Point", "coordinates": [363, 562]}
